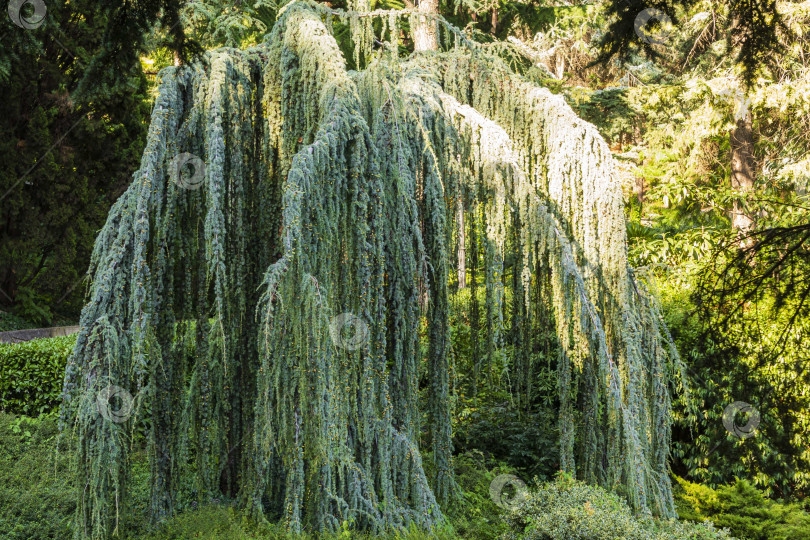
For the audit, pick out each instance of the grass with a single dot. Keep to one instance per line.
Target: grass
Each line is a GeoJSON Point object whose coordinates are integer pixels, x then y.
{"type": "Point", "coordinates": [37, 497]}
{"type": "Point", "coordinates": [37, 500]}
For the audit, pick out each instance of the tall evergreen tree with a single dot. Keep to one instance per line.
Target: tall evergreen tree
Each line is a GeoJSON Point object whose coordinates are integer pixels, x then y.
{"type": "Point", "coordinates": [64, 160]}
{"type": "Point", "coordinates": [320, 196]}
{"type": "Point", "coordinates": [755, 30]}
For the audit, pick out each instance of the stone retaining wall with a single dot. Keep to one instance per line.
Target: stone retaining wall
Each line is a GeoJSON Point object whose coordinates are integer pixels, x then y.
{"type": "Point", "coordinates": [18, 336]}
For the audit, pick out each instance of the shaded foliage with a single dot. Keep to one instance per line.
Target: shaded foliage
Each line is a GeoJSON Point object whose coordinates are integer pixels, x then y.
{"type": "Point", "coordinates": [63, 163]}
{"type": "Point", "coordinates": [753, 28]}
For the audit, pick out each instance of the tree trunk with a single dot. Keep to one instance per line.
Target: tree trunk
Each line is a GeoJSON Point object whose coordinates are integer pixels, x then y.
{"type": "Point", "coordinates": [462, 243]}
{"type": "Point", "coordinates": [560, 61]}
{"type": "Point", "coordinates": [8, 290]}
{"type": "Point", "coordinates": [742, 155]}
{"type": "Point", "coordinates": [426, 33]}
{"type": "Point", "coordinates": [638, 191]}
{"type": "Point", "coordinates": [742, 169]}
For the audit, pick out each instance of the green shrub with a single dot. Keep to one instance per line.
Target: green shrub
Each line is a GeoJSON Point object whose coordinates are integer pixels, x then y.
{"type": "Point", "coordinates": [37, 497]}
{"type": "Point", "coordinates": [744, 510]}
{"type": "Point", "coordinates": [10, 322]}
{"type": "Point", "coordinates": [211, 522]}
{"type": "Point", "coordinates": [222, 522]}
{"type": "Point", "coordinates": [527, 442]}
{"type": "Point", "coordinates": [567, 509]}
{"type": "Point", "coordinates": [31, 374]}
{"type": "Point", "coordinates": [474, 515]}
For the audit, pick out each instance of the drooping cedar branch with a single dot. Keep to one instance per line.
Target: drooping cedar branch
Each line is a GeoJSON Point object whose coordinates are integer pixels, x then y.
{"type": "Point", "coordinates": [329, 193]}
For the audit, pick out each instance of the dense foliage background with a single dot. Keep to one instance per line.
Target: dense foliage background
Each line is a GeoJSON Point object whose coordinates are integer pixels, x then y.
{"type": "Point", "coordinates": [65, 160]}
{"type": "Point", "coordinates": [712, 141]}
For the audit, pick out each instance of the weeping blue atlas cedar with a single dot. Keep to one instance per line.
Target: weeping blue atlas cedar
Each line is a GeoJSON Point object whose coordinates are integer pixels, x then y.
{"type": "Point", "coordinates": [327, 192]}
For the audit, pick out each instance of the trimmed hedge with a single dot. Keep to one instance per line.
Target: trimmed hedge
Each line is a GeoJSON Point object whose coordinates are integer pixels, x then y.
{"type": "Point", "coordinates": [31, 374]}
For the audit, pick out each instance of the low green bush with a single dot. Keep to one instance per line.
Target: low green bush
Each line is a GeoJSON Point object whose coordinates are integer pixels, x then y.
{"type": "Point", "coordinates": [31, 374]}
{"type": "Point", "coordinates": [473, 514]}
{"type": "Point", "coordinates": [10, 322]}
{"type": "Point", "coordinates": [223, 522]}
{"type": "Point", "coordinates": [744, 510]}
{"type": "Point", "coordinates": [37, 495]}
{"type": "Point", "coordinates": [567, 509]}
